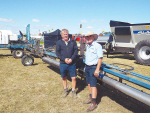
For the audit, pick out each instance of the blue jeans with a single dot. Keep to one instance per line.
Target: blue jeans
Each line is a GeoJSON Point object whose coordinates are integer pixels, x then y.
{"type": "Point", "coordinates": [70, 67]}
{"type": "Point", "coordinates": [90, 78]}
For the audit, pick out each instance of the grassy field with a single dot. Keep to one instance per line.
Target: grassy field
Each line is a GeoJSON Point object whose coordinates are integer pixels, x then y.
{"type": "Point", "coordinates": [38, 88]}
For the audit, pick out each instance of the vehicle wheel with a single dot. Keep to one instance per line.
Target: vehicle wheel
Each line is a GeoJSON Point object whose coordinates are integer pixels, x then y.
{"type": "Point", "coordinates": [108, 47]}
{"type": "Point", "coordinates": [27, 60]}
{"type": "Point", "coordinates": [142, 52]}
{"type": "Point", "coordinates": [17, 53]}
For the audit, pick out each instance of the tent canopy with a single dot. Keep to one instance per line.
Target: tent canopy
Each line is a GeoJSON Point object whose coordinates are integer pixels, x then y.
{"type": "Point", "coordinates": [50, 39]}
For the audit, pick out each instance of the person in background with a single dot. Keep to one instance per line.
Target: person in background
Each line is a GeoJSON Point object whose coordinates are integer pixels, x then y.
{"type": "Point", "coordinates": [93, 60]}
{"type": "Point", "coordinates": [66, 51]}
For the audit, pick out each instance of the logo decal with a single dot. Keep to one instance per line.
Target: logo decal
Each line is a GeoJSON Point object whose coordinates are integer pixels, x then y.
{"type": "Point", "coordinates": [146, 32]}
{"type": "Point", "coordinates": [147, 27]}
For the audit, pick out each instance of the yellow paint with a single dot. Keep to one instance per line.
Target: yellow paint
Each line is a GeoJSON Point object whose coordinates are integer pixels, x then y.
{"type": "Point", "coordinates": [81, 32]}
{"type": "Point", "coordinates": [147, 27]}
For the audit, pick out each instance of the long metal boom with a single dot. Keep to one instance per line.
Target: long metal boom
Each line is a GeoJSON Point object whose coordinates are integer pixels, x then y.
{"type": "Point", "coordinates": [141, 96]}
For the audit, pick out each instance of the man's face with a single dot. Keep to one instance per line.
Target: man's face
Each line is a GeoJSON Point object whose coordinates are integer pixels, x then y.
{"type": "Point", "coordinates": [90, 39]}
{"type": "Point", "coordinates": [64, 35]}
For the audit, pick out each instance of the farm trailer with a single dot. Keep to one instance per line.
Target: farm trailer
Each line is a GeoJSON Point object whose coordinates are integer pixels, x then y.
{"type": "Point", "coordinates": [15, 43]}
{"type": "Point", "coordinates": [130, 38]}
{"type": "Point", "coordinates": [49, 57]}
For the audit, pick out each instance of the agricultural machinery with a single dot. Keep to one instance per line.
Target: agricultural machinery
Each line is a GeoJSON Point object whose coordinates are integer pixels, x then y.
{"type": "Point", "coordinates": [15, 43]}
{"type": "Point", "coordinates": [31, 48]}
{"type": "Point", "coordinates": [47, 54]}
{"type": "Point", "coordinates": [130, 38]}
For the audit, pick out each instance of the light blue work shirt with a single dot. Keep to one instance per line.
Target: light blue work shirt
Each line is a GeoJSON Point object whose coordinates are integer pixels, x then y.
{"type": "Point", "coordinates": [93, 53]}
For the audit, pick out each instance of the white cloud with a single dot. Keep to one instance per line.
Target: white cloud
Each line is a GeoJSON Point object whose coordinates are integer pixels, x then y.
{"type": "Point", "coordinates": [46, 26]}
{"type": "Point", "coordinates": [96, 21]}
{"type": "Point", "coordinates": [84, 21]}
{"type": "Point", "coordinates": [99, 29]}
{"type": "Point", "coordinates": [89, 27]}
{"type": "Point", "coordinates": [35, 20]}
{"type": "Point", "coordinates": [6, 20]}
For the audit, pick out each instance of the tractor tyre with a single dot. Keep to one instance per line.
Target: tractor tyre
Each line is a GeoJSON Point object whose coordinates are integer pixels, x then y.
{"type": "Point", "coordinates": [17, 53]}
{"type": "Point", "coordinates": [142, 52]}
{"type": "Point", "coordinates": [27, 60]}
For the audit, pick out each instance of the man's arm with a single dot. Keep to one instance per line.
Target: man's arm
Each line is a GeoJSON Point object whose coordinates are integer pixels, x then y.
{"type": "Point", "coordinates": [100, 56]}
{"type": "Point", "coordinates": [96, 73]}
{"type": "Point", "coordinates": [75, 51]}
{"type": "Point", "coordinates": [74, 54]}
{"type": "Point", "coordinates": [58, 49]}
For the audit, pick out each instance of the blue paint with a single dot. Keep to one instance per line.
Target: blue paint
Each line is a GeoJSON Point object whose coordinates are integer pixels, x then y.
{"type": "Point", "coordinates": [13, 46]}
{"type": "Point", "coordinates": [50, 53]}
{"type": "Point", "coordinates": [131, 73]}
{"type": "Point", "coordinates": [133, 80]}
{"type": "Point", "coordinates": [28, 32]}
{"type": "Point", "coordinates": [140, 32]}
{"type": "Point", "coordinates": [107, 68]}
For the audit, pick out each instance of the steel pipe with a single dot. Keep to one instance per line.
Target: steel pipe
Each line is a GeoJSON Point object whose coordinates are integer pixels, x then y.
{"type": "Point", "coordinates": [137, 94]}
{"type": "Point", "coordinates": [50, 61]}
{"type": "Point", "coordinates": [141, 96]}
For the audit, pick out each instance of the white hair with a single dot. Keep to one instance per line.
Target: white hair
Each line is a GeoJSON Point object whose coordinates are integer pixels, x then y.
{"type": "Point", "coordinates": [64, 30]}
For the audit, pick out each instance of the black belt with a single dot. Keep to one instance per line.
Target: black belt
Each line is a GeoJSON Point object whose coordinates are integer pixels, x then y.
{"type": "Point", "coordinates": [92, 65]}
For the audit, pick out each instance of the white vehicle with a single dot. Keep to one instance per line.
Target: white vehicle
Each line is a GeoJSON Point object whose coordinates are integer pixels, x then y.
{"type": "Point", "coordinates": [37, 37]}
{"type": "Point", "coordinates": [6, 36]}
{"type": "Point", "coordinates": [131, 38]}
{"type": "Point", "coordinates": [10, 41]}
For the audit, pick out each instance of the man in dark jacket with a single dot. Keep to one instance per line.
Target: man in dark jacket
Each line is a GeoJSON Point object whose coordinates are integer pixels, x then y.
{"type": "Point", "coordinates": [66, 51]}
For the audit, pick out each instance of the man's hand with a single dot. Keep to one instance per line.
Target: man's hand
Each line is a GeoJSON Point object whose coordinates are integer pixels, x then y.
{"type": "Point", "coordinates": [66, 60]}
{"type": "Point", "coordinates": [96, 73]}
{"type": "Point", "coordinates": [69, 61]}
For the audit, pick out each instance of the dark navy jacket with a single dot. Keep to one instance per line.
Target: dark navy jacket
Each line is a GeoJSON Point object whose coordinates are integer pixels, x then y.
{"type": "Point", "coordinates": [66, 51]}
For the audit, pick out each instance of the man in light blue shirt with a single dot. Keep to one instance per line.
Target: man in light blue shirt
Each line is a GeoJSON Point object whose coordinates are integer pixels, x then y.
{"type": "Point", "coordinates": [93, 53]}
{"type": "Point", "coordinates": [93, 60]}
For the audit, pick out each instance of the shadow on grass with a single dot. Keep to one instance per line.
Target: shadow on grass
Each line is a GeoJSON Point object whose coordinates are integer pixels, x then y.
{"type": "Point", "coordinates": [36, 56]}
{"type": "Point", "coordinates": [104, 90]}
{"type": "Point", "coordinates": [80, 83]}
{"type": "Point", "coordinates": [34, 64]}
{"type": "Point", "coordinates": [1, 55]}
{"type": "Point", "coordinates": [121, 98]}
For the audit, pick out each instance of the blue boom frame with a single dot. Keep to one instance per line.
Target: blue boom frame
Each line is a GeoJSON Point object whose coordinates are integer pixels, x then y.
{"type": "Point", "coordinates": [107, 68]}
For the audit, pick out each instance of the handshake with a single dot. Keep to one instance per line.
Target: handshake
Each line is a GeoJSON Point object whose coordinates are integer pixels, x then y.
{"type": "Point", "coordinates": [68, 61]}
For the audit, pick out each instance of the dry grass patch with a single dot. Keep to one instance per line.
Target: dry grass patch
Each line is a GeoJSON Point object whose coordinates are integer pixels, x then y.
{"type": "Point", "coordinates": [38, 89]}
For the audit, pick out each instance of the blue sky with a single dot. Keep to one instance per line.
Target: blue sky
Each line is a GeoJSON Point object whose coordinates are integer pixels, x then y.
{"type": "Point", "coordinates": [94, 15]}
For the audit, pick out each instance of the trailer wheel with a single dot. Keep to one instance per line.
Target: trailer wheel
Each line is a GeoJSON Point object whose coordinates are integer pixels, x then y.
{"type": "Point", "coordinates": [27, 60]}
{"type": "Point", "coordinates": [17, 53]}
{"type": "Point", "coordinates": [142, 52]}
